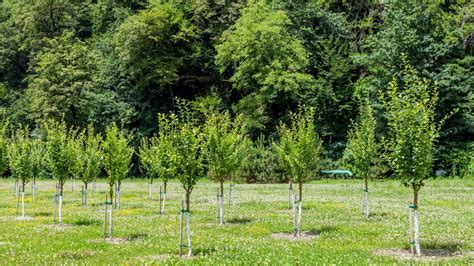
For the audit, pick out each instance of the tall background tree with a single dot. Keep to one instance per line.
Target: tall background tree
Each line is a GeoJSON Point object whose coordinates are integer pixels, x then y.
{"type": "Point", "coordinates": [105, 62]}
{"type": "Point", "coordinates": [266, 65]}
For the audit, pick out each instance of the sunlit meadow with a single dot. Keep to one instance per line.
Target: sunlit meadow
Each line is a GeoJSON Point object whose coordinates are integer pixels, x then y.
{"type": "Point", "coordinates": [331, 212]}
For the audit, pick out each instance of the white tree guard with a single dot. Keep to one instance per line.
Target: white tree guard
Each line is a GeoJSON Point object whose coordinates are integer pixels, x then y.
{"type": "Point", "coordinates": [23, 205]}
{"type": "Point", "coordinates": [60, 209]}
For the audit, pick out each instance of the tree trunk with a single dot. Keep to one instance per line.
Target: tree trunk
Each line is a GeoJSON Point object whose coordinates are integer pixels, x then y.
{"type": "Point", "coordinates": [61, 188]}
{"type": "Point", "coordinates": [188, 200]}
{"type": "Point", "coordinates": [415, 196]}
{"type": "Point", "coordinates": [300, 186]}
{"type": "Point", "coordinates": [222, 188]}
{"type": "Point", "coordinates": [85, 194]}
{"type": "Point", "coordinates": [111, 194]}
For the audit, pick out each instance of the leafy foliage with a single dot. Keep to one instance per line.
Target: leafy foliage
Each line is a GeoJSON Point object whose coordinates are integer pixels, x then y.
{"type": "Point", "coordinates": [361, 151]}
{"type": "Point", "coordinates": [263, 57]}
{"type": "Point", "coordinates": [124, 62]}
{"type": "Point", "coordinates": [189, 162]}
{"type": "Point", "coordinates": [61, 159]}
{"type": "Point", "coordinates": [410, 106]}
{"type": "Point", "coordinates": [300, 147]}
{"type": "Point", "coordinates": [3, 148]}
{"type": "Point", "coordinates": [62, 75]}
{"type": "Point", "coordinates": [37, 157]}
{"type": "Point", "coordinates": [117, 156]}
{"type": "Point", "coordinates": [262, 164]}
{"type": "Point", "coordinates": [92, 156]}
{"type": "Point", "coordinates": [158, 154]}
{"type": "Point", "coordinates": [19, 156]}
{"type": "Point", "coordinates": [225, 146]}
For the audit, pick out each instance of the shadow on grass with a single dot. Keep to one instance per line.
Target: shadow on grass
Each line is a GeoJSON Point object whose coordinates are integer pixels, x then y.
{"type": "Point", "coordinates": [379, 214]}
{"type": "Point", "coordinates": [137, 236]}
{"type": "Point", "coordinates": [86, 222]}
{"type": "Point", "coordinates": [239, 220]}
{"type": "Point", "coordinates": [77, 255]}
{"type": "Point", "coordinates": [323, 229]}
{"type": "Point", "coordinates": [203, 251]}
{"type": "Point", "coordinates": [438, 249]}
{"type": "Point", "coordinates": [44, 214]}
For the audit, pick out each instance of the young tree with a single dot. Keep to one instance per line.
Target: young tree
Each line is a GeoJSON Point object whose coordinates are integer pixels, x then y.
{"type": "Point", "coordinates": [92, 157]}
{"type": "Point", "coordinates": [3, 148]}
{"type": "Point", "coordinates": [410, 113]}
{"type": "Point", "coordinates": [147, 160]}
{"type": "Point", "coordinates": [156, 154]}
{"type": "Point", "coordinates": [187, 147]}
{"type": "Point", "coordinates": [224, 150]}
{"type": "Point", "coordinates": [60, 158]}
{"type": "Point", "coordinates": [19, 152]}
{"type": "Point", "coordinates": [361, 149]}
{"type": "Point", "coordinates": [299, 152]}
{"type": "Point", "coordinates": [75, 145]}
{"type": "Point", "coordinates": [38, 151]}
{"type": "Point", "coordinates": [117, 157]}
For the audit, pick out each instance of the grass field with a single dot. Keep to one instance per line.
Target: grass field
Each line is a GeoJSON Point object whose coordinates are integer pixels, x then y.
{"type": "Point", "coordinates": [331, 208]}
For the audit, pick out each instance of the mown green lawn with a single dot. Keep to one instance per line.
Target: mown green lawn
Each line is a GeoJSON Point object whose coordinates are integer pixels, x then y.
{"type": "Point", "coordinates": [332, 208]}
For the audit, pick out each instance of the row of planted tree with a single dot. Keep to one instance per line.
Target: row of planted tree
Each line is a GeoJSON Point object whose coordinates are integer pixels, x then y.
{"type": "Point", "coordinates": [187, 149]}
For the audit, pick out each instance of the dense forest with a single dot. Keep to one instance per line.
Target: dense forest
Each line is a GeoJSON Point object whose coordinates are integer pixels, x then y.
{"type": "Point", "coordinates": [111, 61]}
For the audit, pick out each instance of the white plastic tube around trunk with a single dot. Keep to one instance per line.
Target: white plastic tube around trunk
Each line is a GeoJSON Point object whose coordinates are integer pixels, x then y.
{"type": "Point", "coordinates": [299, 216]}
{"type": "Point", "coordinates": [218, 202]}
{"type": "Point", "coordinates": [23, 205]}
{"type": "Point", "coordinates": [55, 201]}
{"type": "Point", "coordinates": [111, 221]}
{"type": "Point", "coordinates": [105, 217]}
{"type": "Point", "coordinates": [221, 222]}
{"type": "Point", "coordinates": [417, 233]}
{"type": "Point", "coordinates": [164, 202]}
{"type": "Point", "coordinates": [363, 202]}
{"type": "Point", "coordinates": [60, 209]}
{"type": "Point", "coordinates": [181, 229]}
{"type": "Point", "coordinates": [188, 233]}
{"type": "Point", "coordinates": [295, 222]}
{"type": "Point", "coordinates": [367, 211]}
